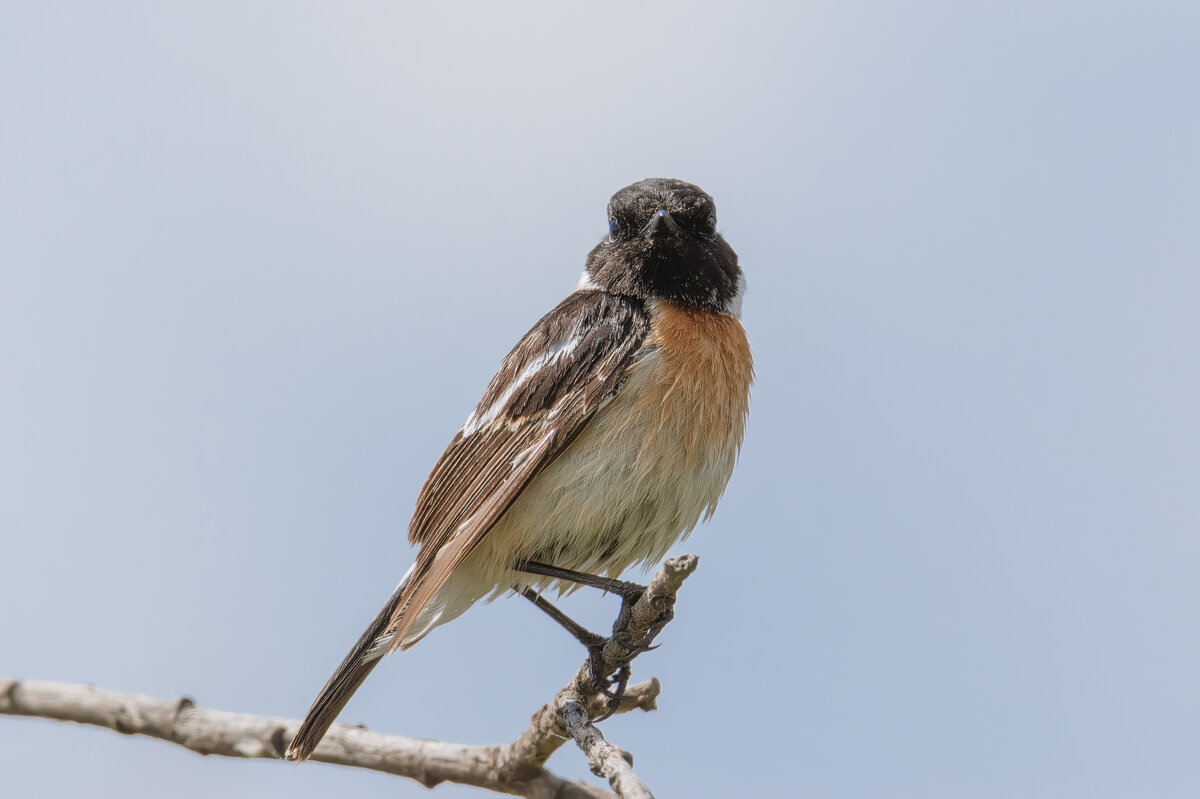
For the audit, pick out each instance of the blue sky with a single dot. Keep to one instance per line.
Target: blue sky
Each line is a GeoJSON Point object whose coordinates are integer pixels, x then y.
{"type": "Point", "coordinates": [258, 261]}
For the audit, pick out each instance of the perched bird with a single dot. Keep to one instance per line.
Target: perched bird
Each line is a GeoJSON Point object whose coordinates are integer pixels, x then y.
{"type": "Point", "coordinates": [610, 429]}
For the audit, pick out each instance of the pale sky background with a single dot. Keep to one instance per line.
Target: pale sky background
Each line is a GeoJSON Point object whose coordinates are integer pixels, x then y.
{"type": "Point", "coordinates": [258, 261]}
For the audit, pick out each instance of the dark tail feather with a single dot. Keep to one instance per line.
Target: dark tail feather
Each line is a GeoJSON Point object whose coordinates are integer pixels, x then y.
{"type": "Point", "coordinates": [344, 682]}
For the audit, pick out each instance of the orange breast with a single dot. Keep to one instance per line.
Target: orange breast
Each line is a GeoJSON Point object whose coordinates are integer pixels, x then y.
{"type": "Point", "coordinates": [705, 372]}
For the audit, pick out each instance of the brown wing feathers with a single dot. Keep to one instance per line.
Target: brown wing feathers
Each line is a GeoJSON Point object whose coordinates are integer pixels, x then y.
{"type": "Point", "coordinates": [544, 394]}
{"type": "Point", "coordinates": [447, 557]}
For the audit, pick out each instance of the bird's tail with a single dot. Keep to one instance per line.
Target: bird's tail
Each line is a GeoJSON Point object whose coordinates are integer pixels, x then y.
{"type": "Point", "coordinates": [370, 649]}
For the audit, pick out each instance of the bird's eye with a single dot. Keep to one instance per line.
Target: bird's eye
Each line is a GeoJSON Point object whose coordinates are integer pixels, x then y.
{"type": "Point", "coordinates": [710, 227]}
{"type": "Point", "coordinates": [614, 227]}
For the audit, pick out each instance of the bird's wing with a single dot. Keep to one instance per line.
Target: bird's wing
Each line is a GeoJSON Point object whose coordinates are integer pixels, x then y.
{"type": "Point", "coordinates": [546, 391]}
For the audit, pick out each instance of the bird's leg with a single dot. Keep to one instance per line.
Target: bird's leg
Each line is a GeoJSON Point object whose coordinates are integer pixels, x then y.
{"type": "Point", "coordinates": [582, 634]}
{"type": "Point", "coordinates": [592, 642]}
{"type": "Point", "coordinates": [618, 587]}
{"type": "Point", "coordinates": [630, 593]}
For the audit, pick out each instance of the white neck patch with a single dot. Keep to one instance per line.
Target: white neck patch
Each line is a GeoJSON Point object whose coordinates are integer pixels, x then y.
{"type": "Point", "coordinates": [734, 307]}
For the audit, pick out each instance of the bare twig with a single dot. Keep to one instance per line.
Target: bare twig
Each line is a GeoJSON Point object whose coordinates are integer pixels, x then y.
{"type": "Point", "coordinates": [215, 732]}
{"type": "Point", "coordinates": [606, 760]}
{"type": "Point", "coordinates": [517, 768]}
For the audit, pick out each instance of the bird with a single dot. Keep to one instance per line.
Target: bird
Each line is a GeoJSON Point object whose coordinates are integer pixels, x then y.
{"type": "Point", "coordinates": [609, 431]}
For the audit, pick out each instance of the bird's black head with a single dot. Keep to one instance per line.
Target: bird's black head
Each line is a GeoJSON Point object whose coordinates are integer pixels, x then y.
{"type": "Point", "coordinates": [663, 243]}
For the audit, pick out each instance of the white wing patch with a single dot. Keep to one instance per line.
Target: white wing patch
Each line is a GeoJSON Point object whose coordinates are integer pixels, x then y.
{"type": "Point", "coordinates": [476, 423]}
{"type": "Point", "coordinates": [525, 453]}
{"type": "Point", "coordinates": [459, 530]}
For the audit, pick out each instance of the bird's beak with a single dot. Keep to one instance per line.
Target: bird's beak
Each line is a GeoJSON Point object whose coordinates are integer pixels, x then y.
{"type": "Point", "coordinates": [661, 224]}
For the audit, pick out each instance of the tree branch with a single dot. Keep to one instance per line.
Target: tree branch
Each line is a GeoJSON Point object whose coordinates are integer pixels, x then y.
{"type": "Point", "coordinates": [517, 768]}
